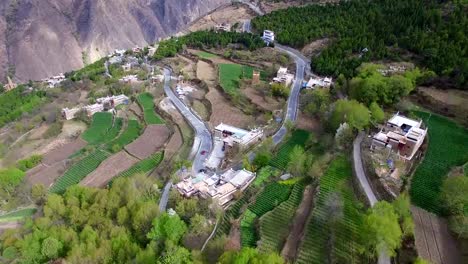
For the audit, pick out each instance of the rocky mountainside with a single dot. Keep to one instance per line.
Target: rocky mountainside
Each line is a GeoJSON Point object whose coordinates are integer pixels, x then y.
{"type": "Point", "coordinates": [40, 38]}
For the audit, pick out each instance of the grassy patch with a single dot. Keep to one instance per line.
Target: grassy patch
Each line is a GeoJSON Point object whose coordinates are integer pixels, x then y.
{"type": "Point", "coordinates": [281, 159]}
{"type": "Point", "coordinates": [264, 174]}
{"type": "Point", "coordinates": [333, 230]}
{"type": "Point", "coordinates": [231, 74]}
{"type": "Point", "coordinates": [206, 55]}
{"type": "Point", "coordinates": [147, 104]}
{"type": "Point", "coordinates": [79, 171]}
{"type": "Point", "coordinates": [448, 147]}
{"type": "Point", "coordinates": [101, 124]}
{"type": "Point", "coordinates": [18, 215]}
{"type": "Point", "coordinates": [131, 133]}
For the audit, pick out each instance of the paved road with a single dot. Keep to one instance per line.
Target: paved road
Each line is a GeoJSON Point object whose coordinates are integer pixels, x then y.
{"type": "Point", "coordinates": [293, 100]}
{"type": "Point", "coordinates": [203, 136]}
{"type": "Point", "coordinates": [360, 174]}
{"type": "Point", "coordinates": [165, 197]}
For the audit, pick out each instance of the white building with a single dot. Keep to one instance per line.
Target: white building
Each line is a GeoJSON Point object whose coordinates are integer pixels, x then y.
{"type": "Point", "coordinates": [54, 80]}
{"type": "Point", "coordinates": [101, 104]}
{"type": "Point", "coordinates": [69, 114]}
{"type": "Point", "coordinates": [233, 135]}
{"type": "Point", "coordinates": [318, 82]}
{"type": "Point", "coordinates": [284, 77]}
{"type": "Point", "coordinates": [129, 79]}
{"type": "Point", "coordinates": [268, 36]}
{"type": "Point", "coordinates": [223, 27]}
{"type": "Point", "coordinates": [220, 188]}
{"type": "Point", "coordinates": [402, 135]}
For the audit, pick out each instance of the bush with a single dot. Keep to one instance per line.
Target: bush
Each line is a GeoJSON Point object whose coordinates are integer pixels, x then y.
{"type": "Point", "coordinates": [29, 163]}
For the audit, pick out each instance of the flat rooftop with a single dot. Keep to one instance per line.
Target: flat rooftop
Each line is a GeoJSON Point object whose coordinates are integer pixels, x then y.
{"type": "Point", "coordinates": [399, 121]}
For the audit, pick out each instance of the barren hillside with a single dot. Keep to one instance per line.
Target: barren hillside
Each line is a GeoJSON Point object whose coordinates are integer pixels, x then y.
{"type": "Point", "coordinates": [40, 38]}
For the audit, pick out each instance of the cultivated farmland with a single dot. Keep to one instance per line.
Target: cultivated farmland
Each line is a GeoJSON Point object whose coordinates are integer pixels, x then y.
{"type": "Point", "coordinates": [101, 124]}
{"type": "Point", "coordinates": [206, 55]}
{"type": "Point", "coordinates": [448, 147]}
{"type": "Point", "coordinates": [146, 102]}
{"type": "Point", "coordinates": [132, 132]}
{"type": "Point", "coordinates": [299, 138]}
{"type": "Point", "coordinates": [231, 74]}
{"type": "Point", "coordinates": [144, 166]}
{"type": "Point", "coordinates": [264, 174]}
{"type": "Point", "coordinates": [79, 171]}
{"type": "Point", "coordinates": [333, 229]}
{"type": "Point", "coordinates": [151, 141]}
{"type": "Point", "coordinates": [275, 225]}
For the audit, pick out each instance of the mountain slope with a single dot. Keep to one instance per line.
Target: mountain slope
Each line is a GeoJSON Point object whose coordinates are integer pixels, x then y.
{"type": "Point", "coordinates": [44, 37]}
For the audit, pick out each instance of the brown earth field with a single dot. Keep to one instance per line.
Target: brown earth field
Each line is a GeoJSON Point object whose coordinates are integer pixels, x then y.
{"type": "Point", "coordinates": [315, 47]}
{"type": "Point", "coordinates": [293, 241]}
{"type": "Point", "coordinates": [267, 103]}
{"type": "Point", "coordinates": [222, 110]}
{"type": "Point", "coordinates": [45, 174]}
{"type": "Point", "coordinates": [63, 152]}
{"type": "Point", "coordinates": [151, 141]}
{"type": "Point", "coordinates": [233, 240]}
{"type": "Point", "coordinates": [307, 123]}
{"type": "Point", "coordinates": [108, 169]}
{"type": "Point", "coordinates": [433, 239]}
{"type": "Point", "coordinates": [174, 144]}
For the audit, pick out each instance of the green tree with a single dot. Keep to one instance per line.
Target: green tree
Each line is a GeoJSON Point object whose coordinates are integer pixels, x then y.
{"type": "Point", "coordinates": [383, 233]}
{"type": "Point", "coordinates": [455, 194]}
{"type": "Point", "coordinates": [250, 255]}
{"type": "Point", "coordinates": [351, 112]}
{"type": "Point", "coordinates": [198, 224]}
{"type": "Point", "coordinates": [279, 90]}
{"type": "Point", "coordinates": [167, 227]}
{"type": "Point", "coordinates": [262, 158]}
{"type": "Point", "coordinates": [377, 113]}
{"type": "Point", "coordinates": [297, 161]}
{"type": "Point", "coordinates": [344, 136]}
{"type": "Point", "coordinates": [402, 206]}
{"type": "Point", "coordinates": [51, 248]}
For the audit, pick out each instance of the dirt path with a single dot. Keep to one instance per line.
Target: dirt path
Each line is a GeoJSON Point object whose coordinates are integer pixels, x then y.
{"type": "Point", "coordinates": [9, 225]}
{"type": "Point", "coordinates": [433, 239]}
{"type": "Point", "coordinates": [291, 246]}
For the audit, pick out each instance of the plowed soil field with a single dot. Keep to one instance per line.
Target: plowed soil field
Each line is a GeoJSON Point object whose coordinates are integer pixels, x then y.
{"type": "Point", "coordinates": [152, 140]}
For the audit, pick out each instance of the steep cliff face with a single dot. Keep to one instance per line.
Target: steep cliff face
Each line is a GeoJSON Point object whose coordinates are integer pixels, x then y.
{"type": "Point", "coordinates": [40, 38]}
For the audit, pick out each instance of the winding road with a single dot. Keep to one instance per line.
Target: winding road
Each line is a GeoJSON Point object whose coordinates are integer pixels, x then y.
{"type": "Point", "coordinates": [203, 141]}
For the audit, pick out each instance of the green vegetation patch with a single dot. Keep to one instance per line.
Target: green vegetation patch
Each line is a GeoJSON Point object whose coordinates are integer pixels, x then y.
{"type": "Point", "coordinates": [233, 212]}
{"type": "Point", "coordinates": [206, 55]}
{"type": "Point", "coordinates": [18, 101]}
{"type": "Point", "coordinates": [18, 215]}
{"type": "Point", "coordinates": [264, 174]}
{"type": "Point", "coordinates": [92, 71]}
{"type": "Point", "coordinates": [143, 166]}
{"type": "Point", "coordinates": [29, 163]}
{"type": "Point", "coordinates": [79, 171]}
{"type": "Point", "coordinates": [231, 74]}
{"type": "Point", "coordinates": [131, 133]}
{"type": "Point", "coordinates": [147, 104]}
{"type": "Point", "coordinates": [333, 229]}
{"type": "Point", "coordinates": [275, 225]}
{"type": "Point", "coordinates": [10, 178]}
{"type": "Point", "coordinates": [102, 123]}
{"type": "Point", "coordinates": [447, 147]}
{"type": "Point", "coordinates": [281, 159]}
{"type": "Point", "coordinates": [247, 227]}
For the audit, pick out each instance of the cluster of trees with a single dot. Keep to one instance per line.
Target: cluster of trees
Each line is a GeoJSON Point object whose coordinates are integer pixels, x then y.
{"type": "Point", "coordinates": [29, 163]}
{"type": "Point", "coordinates": [454, 194]}
{"type": "Point", "coordinates": [18, 101]}
{"type": "Point", "coordinates": [92, 72]}
{"type": "Point", "coordinates": [363, 31]}
{"type": "Point", "coordinates": [207, 39]}
{"type": "Point", "coordinates": [280, 90]}
{"type": "Point", "coordinates": [86, 225]}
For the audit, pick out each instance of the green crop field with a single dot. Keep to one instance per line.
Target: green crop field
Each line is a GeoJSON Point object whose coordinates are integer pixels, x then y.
{"type": "Point", "coordinates": [131, 133]}
{"type": "Point", "coordinates": [101, 124]}
{"type": "Point", "coordinates": [231, 74]}
{"type": "Point", "coordinates": [146, 102]}
{"type": "Point", "coordinates": [114, 131]}
{"type": "Point", "coordinates": [275, 225]}
{"type": "Point", "coordinates": [448, 147]}
{"type": "Point", "coordinates": [271, 196]}
{"type": "Point", "coordinates": [143, 166]}
{"type": "Point", "coordinates": [232, 213]}
{"type": "Point", "coordinates": [18, 215]}
{"type": "Point", "coordinates": [264, 174]}
{"type": "Point", "coordinates": [281, 159]}
{"type": "Point", "coordinates": [333, 229]}
{"type": "Point", "coordinates": [79, 171]}
{"type": "Point", "coordinates": [206, 55]}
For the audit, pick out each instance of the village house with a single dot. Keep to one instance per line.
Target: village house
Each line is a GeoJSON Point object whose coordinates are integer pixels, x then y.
{"type": "Point", "coordinates": [402, 135]}
{"type": "Point", "coordinates": [223, 27]}
{"type": "Point", "coordinates": [268, 36]}
{"type": "Point", "coordinates": [217, 187]}
{"type": "Point", "coordinates": [283, 77]}
{"type": "Point", "coordinates": [233, 135]}
{"type": "Point", "coordinates": [102, 104]}
{"type": "Point", "coordinates": [129, 79]}
{"type": "Point", "coordinates": [54, 80]}
{"type": "Point", "coordinates": [319, 82]}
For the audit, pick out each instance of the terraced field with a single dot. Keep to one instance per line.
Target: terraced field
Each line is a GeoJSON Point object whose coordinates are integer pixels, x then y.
{"type": "Point", "coordinates": [131, 133]}
{"type": "Point", "coordinates": [18, 215]}
{"type": "Point", "coordinates": [298, 138]}
{"type": "Point", "coordinates": [146, 102]}
{"type": "Point", "coordinates": [271, 196]}
{"type": "Point", "coordinates": [275, 225]}
{"type": "Point", "coordinates": [144, 166]}
{"type": "Point", "coordinates": [79, 171]}
{"type": "Point", "coordinates": [333, 229]}
{"type": "Point", "coordinates": [448, 147]}
{"type": "Point", "coordinates": [231, 74]}
{"type": "Point", "coordinates": [234, 212]}
{"type": "Point", "coordinates": [100, 126]}
{"type": "Point", "coordinates": [264, 174]}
